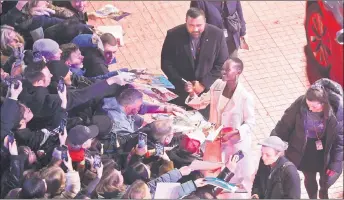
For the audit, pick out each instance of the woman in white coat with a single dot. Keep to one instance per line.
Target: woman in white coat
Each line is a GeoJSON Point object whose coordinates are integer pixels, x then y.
{"type": "Point", "coordinates": [231, 106]}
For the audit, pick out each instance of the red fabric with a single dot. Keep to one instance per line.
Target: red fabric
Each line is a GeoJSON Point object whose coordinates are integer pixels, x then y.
{"type": "Point", "coordinates": [190, 145]}
{"type": "Point", "coordinates": [226, 130]}
{"type": "Point", "coordinates": [76, 155]}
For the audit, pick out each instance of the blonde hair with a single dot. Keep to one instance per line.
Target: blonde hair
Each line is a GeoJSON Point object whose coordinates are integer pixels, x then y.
{"type": "Point", "coordinates": [5, 37]}
{"type": "Point", "coordinates": [137, 190]}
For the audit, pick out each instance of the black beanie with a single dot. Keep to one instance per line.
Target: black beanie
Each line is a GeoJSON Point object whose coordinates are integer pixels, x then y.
{"type": "Point", "coordinates": [57, 68]}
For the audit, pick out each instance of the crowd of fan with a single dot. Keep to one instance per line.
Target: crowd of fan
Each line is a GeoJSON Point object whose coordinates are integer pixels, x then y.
{"type": "Point", "coordinates": [70, 127]}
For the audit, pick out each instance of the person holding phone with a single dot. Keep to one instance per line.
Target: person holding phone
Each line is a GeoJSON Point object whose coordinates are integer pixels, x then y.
{"type": "Point", "coordinates": [277, 177]}
{"type": "Point", "coordinates": [11, 176]}
{"type": "Point", "coordinates": [232, 106]}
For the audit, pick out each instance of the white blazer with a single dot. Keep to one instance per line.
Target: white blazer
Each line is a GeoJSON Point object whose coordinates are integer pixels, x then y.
{"type": "Point", "coordinates": [238, 114]}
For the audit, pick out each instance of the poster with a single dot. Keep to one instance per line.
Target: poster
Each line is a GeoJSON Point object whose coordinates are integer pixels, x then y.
{"type": "Point", "coordinates": [154, 80]}
{"type": "Point", "coordinates": [159, 93]}
{"type": "Point", "coordinates": [220, 183]}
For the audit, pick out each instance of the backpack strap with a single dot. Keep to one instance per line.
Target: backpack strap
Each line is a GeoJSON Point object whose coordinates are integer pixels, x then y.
{"type": "Point", "coordinates": [281, 175]}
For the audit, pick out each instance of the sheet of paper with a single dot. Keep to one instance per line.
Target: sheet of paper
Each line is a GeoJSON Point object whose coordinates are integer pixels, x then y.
{"type": "Point", "coordinates": [166, 191]}
{"type": "Point", "coordinates": [213, 134]}
{"type": "Point", "coordinates": [205, 165]}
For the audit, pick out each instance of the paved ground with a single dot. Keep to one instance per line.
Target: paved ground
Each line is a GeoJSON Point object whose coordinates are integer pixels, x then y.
{"type": "Point", "coordinates": [274, 66]}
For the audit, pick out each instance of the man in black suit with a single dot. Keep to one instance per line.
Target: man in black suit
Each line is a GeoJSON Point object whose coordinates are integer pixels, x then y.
{"type": "Point", "coordinates": [195, 52]}
{"type": "Point", "coordinates": [217, 12]}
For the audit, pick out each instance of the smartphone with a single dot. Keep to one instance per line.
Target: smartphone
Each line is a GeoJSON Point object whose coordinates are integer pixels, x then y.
{"type": "Point", "coordinates": [61, 85]}
{"type": "Point", "coordinates": [97, 161]}
{"type": "Point", "coordinates": [10, 137]}
{"type": "Point", "coordinates": [240, 154]}
{"type": "Point", "coordinates": [16, 84]}
{"type": "Point", "coordinates": [64, 155]}
{"type": "Point", "coordinates": [159, 149]}
{"type": "Point", "coordinates": [142, 140]}
{"type": "Point", "coordinates": [62, 126]}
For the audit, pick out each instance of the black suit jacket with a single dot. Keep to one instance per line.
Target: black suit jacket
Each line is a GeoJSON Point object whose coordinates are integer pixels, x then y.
{"type": "Point", "coordinates": [177, 61]}
{"type": "Point", "coordinates": [213, 15]}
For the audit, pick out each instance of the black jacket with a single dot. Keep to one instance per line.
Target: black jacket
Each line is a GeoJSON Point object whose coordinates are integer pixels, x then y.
{"type": "Point", "coordinates": [65, 31]}
{"type": "Point", "coordinates": [182, 158]}
{"type": "Point", "coordinates": [14, 17]}
{"type": "Point", "coordinates": [9, 116]}
{"type": "Point", "coordinates": [47, 107]}
{"type": "Point", "coordinates": [214, 16]}
{"type": "Point", "coordinates": [284, 179]}
{"type": "Point", "coordinates": [291, 129]}
{"type": "Point", "coordinates": [177, 61]}
{"type": "Point", "coordinates": [12, 178]}
{"type": "Point", "coordinates": [37, 140]}
{"type": "Point", "coordinates": [94, 62]}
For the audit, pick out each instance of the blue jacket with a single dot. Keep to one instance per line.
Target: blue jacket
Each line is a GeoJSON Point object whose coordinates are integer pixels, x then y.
{"type": "Point", "coordinates": [124, 124]}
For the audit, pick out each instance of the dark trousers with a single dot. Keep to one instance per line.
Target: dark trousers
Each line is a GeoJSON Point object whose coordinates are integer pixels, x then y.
{"type": "Point", "coordinates": [232, 48]}
{"type": "Point", "coordinates": [325, 183]}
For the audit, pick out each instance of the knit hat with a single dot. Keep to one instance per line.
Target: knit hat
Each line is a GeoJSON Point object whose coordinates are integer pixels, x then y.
{"type": "Point", "coordinates": [79, 134]}
{"type": "Point", "coordinates": [275, 143]}
{"type": "Point", "coordinates": [88, 40]}
{"type": "Point", "coordinates": [47, 47]}
{"type": "Point", "coordinates": [58, 69]}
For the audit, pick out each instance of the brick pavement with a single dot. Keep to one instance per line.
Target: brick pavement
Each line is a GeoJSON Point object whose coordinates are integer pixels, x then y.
{"type": "Point", "coordinates": [274, 66]}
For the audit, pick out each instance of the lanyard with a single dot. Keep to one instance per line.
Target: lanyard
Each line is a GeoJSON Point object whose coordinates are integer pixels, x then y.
{"type": "Point", "coordinates": [314, 127]}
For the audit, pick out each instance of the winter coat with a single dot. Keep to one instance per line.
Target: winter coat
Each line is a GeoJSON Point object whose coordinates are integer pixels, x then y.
{"type": "Point", "coordinates": [9, 116]}
{"type": "Point", "coordinates": [182, 158]}
{"type": "Point", "coordinates": [64, 32]}
{"type": "Point", "coordinates": [46, 106]}
{"type": "Point", "coordinates": [11, 179]}
{"type": "Point", "coordinates": [280, 182]}
{"type": "Point", "coordinates": [291, 129]}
